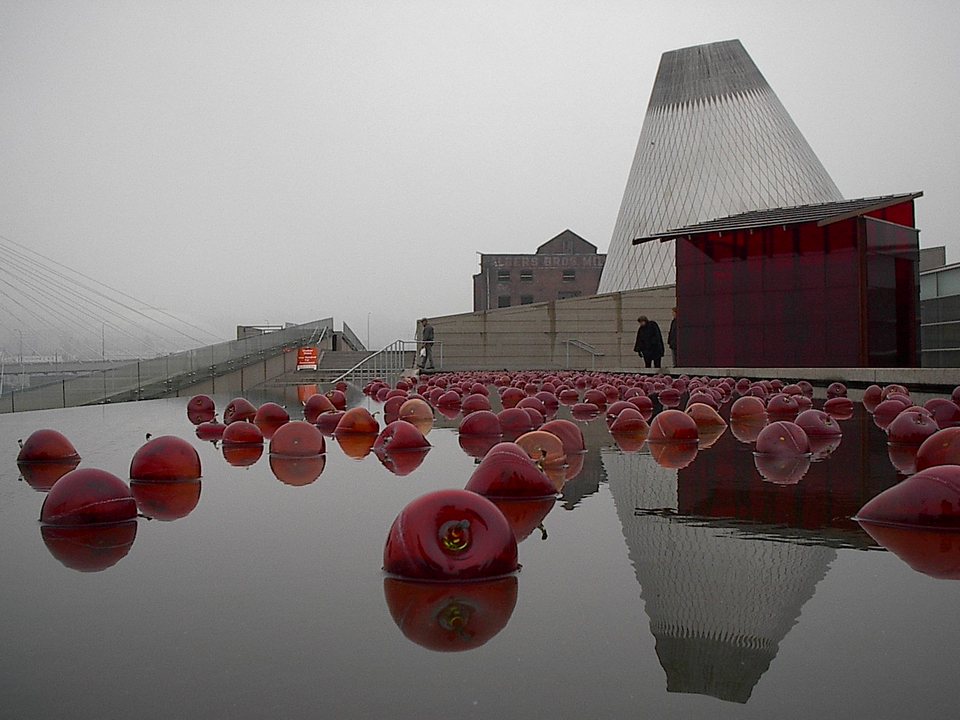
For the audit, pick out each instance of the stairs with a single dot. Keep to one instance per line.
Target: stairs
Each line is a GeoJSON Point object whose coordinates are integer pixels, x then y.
{"type": "Point", "coordinates": [333, 364]}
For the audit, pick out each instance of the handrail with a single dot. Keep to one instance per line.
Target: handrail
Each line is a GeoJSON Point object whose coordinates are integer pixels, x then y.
{"type": "Point", "coordinates": [390, 359]}
{"type": "Point", "coordinates": [594, 352]}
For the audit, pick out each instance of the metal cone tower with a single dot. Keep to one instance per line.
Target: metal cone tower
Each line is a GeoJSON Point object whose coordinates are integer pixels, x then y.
{"type": "Point", "coordinates": [715, 141]}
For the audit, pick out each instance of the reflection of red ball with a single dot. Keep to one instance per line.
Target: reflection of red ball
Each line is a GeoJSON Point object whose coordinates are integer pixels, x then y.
{"type": "Point", "coordinates": [451, 617]}
{"type": "Point", "coordinates": [478, 445]}
{"type": "Point", "coordinates": [47, 446]}
{"type": "Point", "coordinates": [242, 455]}
{"type": "Point", "coordinates": [673, 455]}
{"type": "Point", "coordinates": [297, 471]}
{"type": "Point", "coordinates": [450, 535]}
{"type": "Point", "coordinates": [166, 500]}
{"type": "Point", "coordinates": [746, 431]}
{"type": "Point", "coordinates": [402, 462]}
{"type": "Point", "coordinates": [782, 469]}
{"type": "Point", "coordinates": [42, 475]}
{"type": "Point", "coordinates": [88, 496]}
{"type": "Point", "coordinates": [932, 552]}
{"type": "Point", "coordinates": [89, 548]}
{"type": "Point", "coordinates": [903, 458]}
{"type": "Point", "coordinates": [165, 458]}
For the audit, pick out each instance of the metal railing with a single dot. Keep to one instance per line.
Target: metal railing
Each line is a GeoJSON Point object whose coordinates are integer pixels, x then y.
{"type": "Point", "coordinates": [161, 376]}
{"type": "Point", "coordinates": [586, 347]}
{"type": "Point", "coordinates": [390, 362]}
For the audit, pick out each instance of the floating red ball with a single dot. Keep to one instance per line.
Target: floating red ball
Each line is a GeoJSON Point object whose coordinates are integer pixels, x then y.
{"type": "Point", "coordinates": [165, 459]}
{"type": "Point", "coordinates": [298, 439]}
{"type": "Point", "coordinates": [47, 446]}
{"type": "Point", "coordinates": [931, 499]}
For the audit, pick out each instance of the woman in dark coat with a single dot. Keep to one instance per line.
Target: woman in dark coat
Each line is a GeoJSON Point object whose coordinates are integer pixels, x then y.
{"type": "Point", "coordinates": [649, 343]}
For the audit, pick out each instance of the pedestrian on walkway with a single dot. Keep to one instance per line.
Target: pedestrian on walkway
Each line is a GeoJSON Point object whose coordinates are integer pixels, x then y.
{"type": "Point", "coordinates": [426, 338]}
{"type": "Point", "coordinates": [649, 342]}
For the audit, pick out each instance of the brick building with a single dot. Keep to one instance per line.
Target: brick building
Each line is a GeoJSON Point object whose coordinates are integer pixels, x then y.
{"type": "Point", "coordinates": [565, 266]}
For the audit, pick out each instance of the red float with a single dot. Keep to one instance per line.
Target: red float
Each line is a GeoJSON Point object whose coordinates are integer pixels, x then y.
{"type": "Point", "coordinates": [569, 433]}
{"type": "Point", "coordinates": [705, 417]}
{"type": "Point", "coordinates": [911, 427]}
{"type": "Point", "coordinates": [400, 436]}
{"type": "Point", "coordinates": [482, 422]}
{"type": "Point", "coordinates": [782, 407]}
{"type": "Point", "coordinates": [315, 405]}
{"type": "Point", "coordinates": [339, 399]}
{"type": "Point", "coordinates": [402, 463]}
{"type": "Point", "coordinates": [669, 398]}
{"type": "Point", "coordinates": [836, 389]}
{"type": "Point", "coordinates": [514, 421]}
{"type": "Point", "coordinates": [886, 411]}
{"type": "Point", "coordinates": [450, 535]}
{"type": "Point", "coordinates": [47, 446]}
{"type": "Point", "coordinates": [327, 421]}
{"type": "Point", "coordinates": [451, 617]}
{"type": "Point", "coordinates": [88, 496]}
{"type": "Point", "coordinates": [89, 548]}
{"type": "Point", "coordinates": [673, 426]}
{"type": "Point", "coordinates": [507, 472]}
{"type": "Point", "coordinates": [782, 438]}
{"type": "Point", "coordinates": [816, 423]}
{"type": "Point", "coordinates": [944, 411]}
{"type": "Point", "coordinates": [941, 448]}
{"type": "Point", "coordinates": [165, 459]}
{"type": "Point", "coordinates": [357, 421]}
{"type": "Point", "coordinates": [872, 397]}
{"type": "Point", "coordinates": [477, 446]}
{"type": "Point", "coordinates": [584, 411]}
{"type": "Point", "coordinates": [673, 455]}
{"type": "Point", "coordinates": [569, 397]}
{"type": "Point", "coordinates": [931, 499]}
{"type": "Point", "coordinates": [473, 403]}
{"type": "Point", "coordinates": [417, 412]}
{"type": "Point", "coordinates": [525, 516]}
{"type": "Point", "coordinates": [239, 410]}
{"type": "Point", "coordinates": [356, 445]}
{"type": "Point", "coordinates": [839, 408]}
{"type": "Point", "coordinates": [748, 409]}
{"type": "Point", "coordinates": [242, 433]}
{"type": "Point", "coordinates": [166, 501]}
{"type": "Point", "coordinates": [782, 469]}
{"type": "Point", "coordinates": [542, 447]}
{"type": "Point", "coordinates": [298, 439]}
{"type": "Point", "coordinates": [211, 431]}
{"type": "Point", "coordinates": [200, 409]}
{"type": "Point", "coordinates": [242, 455]}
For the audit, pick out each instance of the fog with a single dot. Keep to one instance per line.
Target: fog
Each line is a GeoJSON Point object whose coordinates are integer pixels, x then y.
{"type": "Point", "coordinates": [268, 162]}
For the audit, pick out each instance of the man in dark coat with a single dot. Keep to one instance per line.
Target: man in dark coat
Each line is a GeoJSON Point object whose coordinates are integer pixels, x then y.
{"type": "Point", "coordinates": [426, 337]}
{"type": "Point", "coordinates": [672, 338]}
{"type": "Point", "coordinates": [649, 344]}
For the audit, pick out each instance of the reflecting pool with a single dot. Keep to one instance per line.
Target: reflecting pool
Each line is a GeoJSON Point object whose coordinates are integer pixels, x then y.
{"type": "Point", "coordinates": [644, 591]}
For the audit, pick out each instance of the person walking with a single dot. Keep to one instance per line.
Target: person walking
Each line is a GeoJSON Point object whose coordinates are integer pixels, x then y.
{"type": "Point", "coordinates": [649, 343]}
{"type": "Point", "coordinates": [426, 337]}
{"type": "Point", "coordinates": [672, 339]}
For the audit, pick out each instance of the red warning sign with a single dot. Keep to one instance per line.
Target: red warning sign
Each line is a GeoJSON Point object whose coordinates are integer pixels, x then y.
{"type": "Point", "coordinates": [307, 358]}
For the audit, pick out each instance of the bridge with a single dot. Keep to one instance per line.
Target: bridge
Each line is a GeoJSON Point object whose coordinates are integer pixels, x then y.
{"type": "Point", "coordinates": [231, 366]}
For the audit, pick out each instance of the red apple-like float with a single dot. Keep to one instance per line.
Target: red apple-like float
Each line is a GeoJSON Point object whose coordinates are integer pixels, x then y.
{"type": "Point", "coordinates": [450, 535]}
{"type": "Point", "coordinates": [201, 409]}
{"type": "Point", "coordinates": [239, 410]}
{"type": "Point", "coordinates": [928, 499]}
{"type": "Point", "coordinates": [508, 472]}
{"type": "Point", "coordinates": [165, 459]}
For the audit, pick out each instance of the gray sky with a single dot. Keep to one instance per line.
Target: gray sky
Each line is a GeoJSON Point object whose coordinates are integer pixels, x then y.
{"type": "Point", "coordinates": [261, 162]}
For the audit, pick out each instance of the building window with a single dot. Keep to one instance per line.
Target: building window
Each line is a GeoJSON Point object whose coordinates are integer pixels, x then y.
{"type": "Point", "coordinates": [569, 275]}
{"type": "Point", "coordinates": [503, 301]}
{"type": "Point", "coordinates": [526, 276]}
{"type": "Point", "coordinates": [526, 299]}
{"type": "Point", "coordinates": [564, 294]}
{"type": "Point", "coordinates": [503, 276]}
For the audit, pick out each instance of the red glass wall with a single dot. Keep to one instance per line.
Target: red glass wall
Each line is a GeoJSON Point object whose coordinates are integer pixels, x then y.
{"type": "Point", "coordinates": [841, 295]}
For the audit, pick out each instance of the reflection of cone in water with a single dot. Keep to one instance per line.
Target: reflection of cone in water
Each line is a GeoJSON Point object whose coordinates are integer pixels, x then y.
{"type": "Point", "coordinates": [90, 548]}
{"type": "Point", "coordinates": [719, 603]}
{"type": "Point", "coordinates": [242, 455]}
{"type": "Point", "coordinates": [451, 617]}
{"type": "Point", "coordinates": [297, 471]}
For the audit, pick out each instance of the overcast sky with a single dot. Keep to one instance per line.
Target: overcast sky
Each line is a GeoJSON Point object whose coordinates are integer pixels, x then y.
{"type": "Point", "coordinates": [262, 162]}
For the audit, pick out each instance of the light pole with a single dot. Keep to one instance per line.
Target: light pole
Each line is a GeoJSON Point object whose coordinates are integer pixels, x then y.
{"type": "Point", "coordinates": [368, 331]}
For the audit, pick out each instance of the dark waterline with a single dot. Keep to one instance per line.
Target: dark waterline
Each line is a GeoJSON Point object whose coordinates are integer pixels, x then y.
{"type": "Point", "coordinates": [704, 592]}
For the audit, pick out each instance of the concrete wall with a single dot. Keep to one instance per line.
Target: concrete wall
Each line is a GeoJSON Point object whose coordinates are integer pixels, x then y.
{"type": "Point", "coordinates": [532, 336]}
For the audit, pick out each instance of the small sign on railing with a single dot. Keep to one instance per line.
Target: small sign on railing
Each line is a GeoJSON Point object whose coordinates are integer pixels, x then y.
{"type": "Point", "coordinates": [307, 358]}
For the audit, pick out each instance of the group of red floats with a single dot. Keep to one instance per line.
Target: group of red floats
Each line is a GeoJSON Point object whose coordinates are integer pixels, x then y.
{"type": "Point", "coordinates": [526, 456]}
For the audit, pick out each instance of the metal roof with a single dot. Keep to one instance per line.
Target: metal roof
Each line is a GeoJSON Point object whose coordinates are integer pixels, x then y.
{"type": "Point", "coordinates": [821, 213]}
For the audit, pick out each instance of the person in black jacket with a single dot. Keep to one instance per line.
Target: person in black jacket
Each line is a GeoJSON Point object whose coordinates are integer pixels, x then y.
{"type": "Point", "coordinates": [649, 343]}
{"type": "Point", "coordinates": [672, 339]}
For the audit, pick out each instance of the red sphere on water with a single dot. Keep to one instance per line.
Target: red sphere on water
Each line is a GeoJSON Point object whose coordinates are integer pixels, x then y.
{"type": "Point", "coordinates": [508, 472]}
{"type": "Point", "coordinates": [242, 433]}
{"type": "Point", "coordinates": [872, 397]}
{"type": "Point", "coordinates": [481, 422]}
{"type": "Point", "coordinates": [357, 420]}
{"type": "Point", "coordinates": [748, 409]}
{"type": "Point", "coordinates": [782, 438]}
{"type": "Point", "coordinates": [941, 448]}
{"type": "Point", "coordinates": [511, 396]}
{"type": "Point", "coordinates": [327, 421]}
{"type": "Point", "coordinates": [210, 431]}
{"type": "Point", "coordinates": [584, 411]}
{"type": "Point", "coordinates": [672, 426]}
{"type": "Point", "coordinates": [839, 408]}
{"type": "Point", "coordinates": [298, 439]}
{"type": "Point", "coordinates": [88, 496]}
{"type": "Point", "coordinates": [47, 446]}
{"type": "Point", "coordinates": [911, 427]}
{"type": "Point", "coordinates": [569, 433]}
{"type": "Point", "coordinates": [450, 535]}
{"type": "Point", "coordinates": [782, 407]}
{"type": "Point", "coordinates": [514, 421]}
{"type": "Point", "coordinates": [200, 409]}
{"type": "Point", "coordinates": [400, 436]}
{"type": "Point", "coordinates": [315, 405]}
{"type": "Point", "coordinates": [569, 397]}
{"type": "Point", "coordinates": [945, 412]}
{"type": "Point", "coordinates": [239, 410]}
{"type": "Point", "coordinates": [816, 423]}
{"type": "Point", "coordinates": [338, 399]}
{"type": "Point", "coordinates": [931, 498]}
{"type": "Point", "coordinates": [836, 389]}
{"type": "Point", "coordinates": [473, 403]}
{"type": "Point", "coordinates": [669, 398]}
{"type": "Point", "coordinates": [270, 417]}
{"type": "Point", "coordinates": [165, 459]}
{"type": "Point", "coordinates": [886, 411]}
